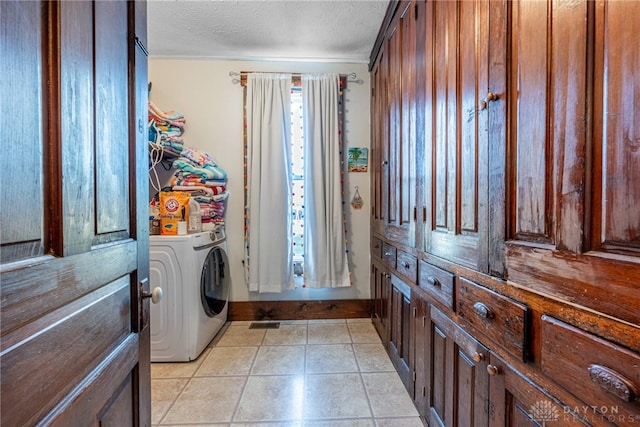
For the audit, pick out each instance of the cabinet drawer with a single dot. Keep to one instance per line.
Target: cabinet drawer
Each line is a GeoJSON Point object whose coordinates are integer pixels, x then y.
{"type": "Point", "coordinates": [376, 248]}
{"type": "Point", "coordinates": [407, 265]}
{"type": "Point", "coordinates": [503, 320]}
{"type": "Point", "coordinates": [437, 283]}
{"type": "Point", "coordinates": [603, 375]}
{"type": "Point", "coordinates": [389, 255]}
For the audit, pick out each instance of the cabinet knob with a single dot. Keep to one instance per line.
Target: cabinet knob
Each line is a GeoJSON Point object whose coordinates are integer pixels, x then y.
{"type": "Point", "coordinates": [433, 281]}
{"type": "Point", "coordinates": [385, 163]}
{"type": "Point", "coordinates": [491, 97]}
{"type": "Point", "coordinates": [482, 310]}
{"type": "Point", "coordinates": [493, 370]}
{"type": "Point", "coordinates": [477, 357]}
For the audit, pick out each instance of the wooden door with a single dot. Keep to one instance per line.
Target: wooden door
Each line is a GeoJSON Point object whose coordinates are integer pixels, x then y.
{"type": "Point", "coordinates": [74, 335]}
{"type": "Point", "coordinates": [573, 183]}
{"type": "Point", "coordinates": [456, 157]}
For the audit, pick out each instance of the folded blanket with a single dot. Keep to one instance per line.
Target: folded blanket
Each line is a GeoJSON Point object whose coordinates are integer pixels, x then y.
{"type": "Point", "coordinates": [208, 171]}
{"type": "Point", "coordinates": [198, 158]}
{"type": "Point", "coordinates": [195, 191]}
{"type": "Point", "coordinates": [181, 178]}
{"type": "Point", "coordinates": [217, 198]}
{"type": "Point", "coordinates": [170, 115]}
{"type": "Point", "coordinates": [166, 122]}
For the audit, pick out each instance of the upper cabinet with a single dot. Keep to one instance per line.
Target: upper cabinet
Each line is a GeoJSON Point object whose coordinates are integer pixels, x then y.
{"type": "Point", "coordinates": [454, 202]}
{"type": "Point", "coordinates": [571, 102]}
{"type": "Point", "coordinates": [394, 120]}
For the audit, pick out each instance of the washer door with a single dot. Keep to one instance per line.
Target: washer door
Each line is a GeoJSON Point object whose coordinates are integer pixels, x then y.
{"type": "Point", "coordinates": [214, 282]}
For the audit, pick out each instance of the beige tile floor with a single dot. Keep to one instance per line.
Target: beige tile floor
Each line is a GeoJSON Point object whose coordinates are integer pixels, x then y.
{"type": "Point", "coordinates": [316, 373]}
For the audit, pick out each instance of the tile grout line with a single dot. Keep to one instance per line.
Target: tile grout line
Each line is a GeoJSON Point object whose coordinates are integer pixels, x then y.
{"type": "Point", "coordinates": [246, 380]}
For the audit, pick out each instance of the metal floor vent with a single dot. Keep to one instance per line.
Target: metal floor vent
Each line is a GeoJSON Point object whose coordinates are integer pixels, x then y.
{"type": "Point", "coordinates": [264, 325]}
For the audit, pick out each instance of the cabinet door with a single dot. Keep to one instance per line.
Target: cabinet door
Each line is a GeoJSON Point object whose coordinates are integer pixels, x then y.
{"type": "Point", "coordinates": [573, 156]}
{"type": "Point", "coordinates": [456, 189]}
{"type": "Point", "coordinates": [459, 381]}
{"type": "Point", "coordinates": [380, 293]}
{"type": "Point", "coordinates": [517, 402]}
{"type": "Point", "coordinates": [399, 153]}
{"type": "Point", "coordinates": [379, 126]}
{"type": "Point", "coordinates": [419, 352]}
{"type": "Point", "coordinates": [399, 337]}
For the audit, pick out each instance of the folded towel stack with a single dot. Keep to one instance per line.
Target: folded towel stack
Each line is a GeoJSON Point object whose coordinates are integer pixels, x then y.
{"type": "Point", "coordinates": [199, 174]}
{"type": "Point", "coordinates": [196, 172]}
{"type": "Point", "coordinates": [166, 129]}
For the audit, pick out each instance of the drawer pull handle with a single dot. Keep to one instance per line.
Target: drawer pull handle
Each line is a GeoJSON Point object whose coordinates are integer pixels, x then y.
{"type": "Point", "coordinates": [493, 370]}
{"type": "Point", "coordinates": [406, 265]}
{"type": "Point", "coordinates": [482, 310]}
{"type": "Point", "coordinates": [387, 254]}
{"type": "Point", "coordinates": [433, 281]}
{"type": "Point", "coordinates": [613, 382]}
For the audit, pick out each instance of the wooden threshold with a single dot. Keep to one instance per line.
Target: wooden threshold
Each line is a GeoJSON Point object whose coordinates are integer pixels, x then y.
{"type": "Point", "coordinates": [299, 310]}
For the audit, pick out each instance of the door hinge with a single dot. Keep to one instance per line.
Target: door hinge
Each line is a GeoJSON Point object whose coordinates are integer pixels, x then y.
{"type": "Point", "coordinates": [414, 376]}
{"type": "Point", "coordinates": [424, 321]}
{"type": "Point", "coordinates": [415, 213]}
{"type": "Point", "coordinates": [373, 92]}
{"type": "Point", "coordinates": [424, 392]}
{"type": "Point", "coordinates": [415, 9]}
{"type": "Point", "coordinates": [415, 311]}
{"type": "Point", "coordinates": [424, 214]}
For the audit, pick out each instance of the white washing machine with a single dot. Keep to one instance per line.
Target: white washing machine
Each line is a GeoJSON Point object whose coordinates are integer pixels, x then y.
{"type": "Point", "coordinates": [193, 272]}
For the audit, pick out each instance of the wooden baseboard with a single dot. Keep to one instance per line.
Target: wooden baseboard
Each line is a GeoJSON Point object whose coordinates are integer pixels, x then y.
{"type": "Point", "coordinates": [299, 310]}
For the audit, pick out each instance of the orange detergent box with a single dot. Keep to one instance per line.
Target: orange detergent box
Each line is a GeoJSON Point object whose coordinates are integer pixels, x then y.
{"type": "Point", "coordinates": [174, 207]}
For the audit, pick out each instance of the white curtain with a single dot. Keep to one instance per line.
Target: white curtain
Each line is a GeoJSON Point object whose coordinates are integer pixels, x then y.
{"type": "Point", "coordinates": [269, 258]}
{"type": "Point", "coordinates": [325, 259]}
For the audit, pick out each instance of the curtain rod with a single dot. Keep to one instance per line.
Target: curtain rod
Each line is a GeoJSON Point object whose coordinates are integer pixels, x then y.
{"type": "Point", "coordinates": [240, 77]}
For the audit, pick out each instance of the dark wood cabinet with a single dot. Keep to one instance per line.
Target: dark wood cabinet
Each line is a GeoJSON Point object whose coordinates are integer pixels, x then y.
{"type": "Point", "coordinates": [380, 296]}
{"type": "Point", "coordinates": [456, 186]}
{"type": "Point", "coordinates": [527, 192]}
{"type": "Point", "coordinates": [458, 377]}
{"type": "Point", "coordinates": [400, 317]}
{"type": "Point", "coordinates": [573, 194]}
{"type": "Point", "coordinates": [394, 107]}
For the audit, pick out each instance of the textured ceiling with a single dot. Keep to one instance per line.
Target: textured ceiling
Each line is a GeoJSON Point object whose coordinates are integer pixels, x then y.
{"type": "Point", "coordinates": [308, 30]}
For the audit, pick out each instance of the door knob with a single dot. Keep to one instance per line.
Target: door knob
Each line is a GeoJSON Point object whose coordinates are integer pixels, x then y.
{"type": "Point", "coordinates": [155, 294]}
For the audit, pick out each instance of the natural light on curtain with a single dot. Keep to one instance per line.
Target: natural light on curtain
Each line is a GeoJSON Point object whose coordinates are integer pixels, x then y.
{"type": "Point", "coordinates": [282, 230]}
{"type": "Point", "coordinates": [325, 259]}
{"type": "Point", "coordinates": [268, 257]}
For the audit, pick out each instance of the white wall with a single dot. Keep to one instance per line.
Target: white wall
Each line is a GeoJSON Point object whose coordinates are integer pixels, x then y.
{"type": "Point", "coordinates": [213, 108]}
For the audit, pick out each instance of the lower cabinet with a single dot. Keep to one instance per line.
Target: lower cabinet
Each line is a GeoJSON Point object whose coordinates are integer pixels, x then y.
{"type": "Point", "coordinates": [516, 401]}
{"type": "Point", "coordinates": [399, 336]}
{"type": "Point", "coordinates": [380, 294]}
{"type": "Point", "coordinates": [458, 380]}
